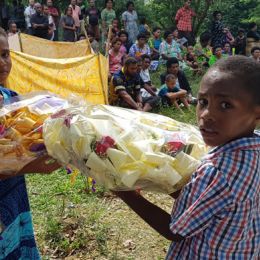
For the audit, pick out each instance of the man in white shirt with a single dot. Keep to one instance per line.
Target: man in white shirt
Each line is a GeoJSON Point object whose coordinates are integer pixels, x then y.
{"type": "Point", "coordinates": [29, 11]}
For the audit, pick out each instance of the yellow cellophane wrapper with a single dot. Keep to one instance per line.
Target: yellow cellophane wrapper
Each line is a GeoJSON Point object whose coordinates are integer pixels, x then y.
{"type": "Point", "coordinates": [124, 149]}
{"type": "Point", "coordinates": [21, 121]}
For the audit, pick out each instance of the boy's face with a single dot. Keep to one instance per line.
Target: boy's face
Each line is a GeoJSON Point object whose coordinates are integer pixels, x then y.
{"type": "Point", "coordinates": [146, 63]}
{"type": "Point", "coordinates": [13, 28]}
{"type": "Point", "coordinates": [171, 83]}
{"type": "Point", "coordinates": [225, 111]}
{"type": "Point", "coordinates": [218, 52]}
{"type": "Point", "coordinates": [256, 54]}
{"type": "Point", "coordinates": [5, 60]}
{"type": "Point", "coordinates": [131, 70]}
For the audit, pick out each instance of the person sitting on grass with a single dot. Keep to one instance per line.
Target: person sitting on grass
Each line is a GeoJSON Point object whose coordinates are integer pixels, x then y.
{"type": "Point", "coordinates": [172, 67]}
{"type": "Point", "coordinates": [147, 89]}
{"type": "Point", "coordinates": [227, 49]}
{"type": "Point", "coordinates": [191, 59]}
{"type": "Point", "coordinates": [127, 85]}
{"type": "Point", "coordinates": [154, 43]}
{"type": "Point", "coordinates": [216, 215]}
{"type": "Point", "coordinates": [171, 93]}
{"type": "Point", "coordinates": [203, 49]}
{"type": "Point", "coordinates": [17, 239]}
{"type": "Point", "coordinates": [140, 48]}
{"type": "Point", "coordinates": [255, 52]}
{"type": "Point", "coordinates": [217, 55]}
{"type": "Point", "coordinates": [115, 56]}
{"type": "Point", "coordinates": [126, 45]}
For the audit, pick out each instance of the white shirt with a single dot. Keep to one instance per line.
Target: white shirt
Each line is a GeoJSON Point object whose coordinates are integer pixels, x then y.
{"type": "Point", "coordinates": [29, 11]}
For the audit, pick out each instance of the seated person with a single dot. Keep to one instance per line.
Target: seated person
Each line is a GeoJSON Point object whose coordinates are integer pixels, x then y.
{"type": "Point", "coordinates": [140, 48]}
{"type": "Point", "coordinates": [172, 67]}
{"type": "Point", "coordinates": [227, 49]}
{"type": "Point", "coordinates": [126, 45]}
{"type": "Point", "coordinates": [191, 58]}
{"type": "Point", "coordinates": [93, 42]}
{"type": "Point", "coordinates": [171, 93]}
{"type": "Point", "coordinates": [255, 52]}
{"type": "Point", "coordinates": [154, 43]}
{"type": "Point", "coordinates": [147, 88]}
{"type": "Point", "coordinates": [203, 49]}
{"type": "Point", "coordinates": [115, 56]}
{"type": "Point", "coordinates": [127, 85]}
{"type": "Point", "coordinates": [217, 55]}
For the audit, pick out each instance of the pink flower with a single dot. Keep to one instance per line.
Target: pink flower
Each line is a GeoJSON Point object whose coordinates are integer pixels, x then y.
{"type": "Point", "coordinates": [174, 147]}
{"type": "Point", "coordinates": [2, 129]}
{"type": "Point", "coordinates": [105, 143]}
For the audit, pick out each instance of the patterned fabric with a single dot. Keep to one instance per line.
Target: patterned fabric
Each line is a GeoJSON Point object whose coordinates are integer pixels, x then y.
{"type": "Point", "coordinates": [108, 16]}
{"type": "Point", "coordinates": [76, 12]}
{"type": "Point", "coordinates": [130, 18]}
{"type": "Point", "coordinates": [218, 35]}
{"type": "Point", "coordinates": [137, 52]}
{"type": "Point", "coordinates": [115, 61]}
{"type": "Point", "coordinates": [218, 211]}
{"type": "Point", "coordinates": [170, 50]}
{"type": "Point", "coordinates": [16, 230]}
{"type": "Point", "coordinates": [184, 19]}
{"type": "Point", "coordinates": [164, 90]}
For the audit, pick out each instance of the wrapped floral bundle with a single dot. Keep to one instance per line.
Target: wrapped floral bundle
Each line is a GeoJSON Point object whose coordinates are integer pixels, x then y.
{"type": "Point", "coordinates": [21, 123]}
{"type": "Point", "coordinates": [124, 149]}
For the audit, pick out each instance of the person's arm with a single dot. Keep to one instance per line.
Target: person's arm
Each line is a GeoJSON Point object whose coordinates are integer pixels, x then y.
{"type": "Point", "coordinates": [157, 218]}
{"type": "Point", "coordinates": [148, 88]}
{"type": "Point", "coordinates": [54, 12]}
{"type": "Point", "coordinates": [44, 25]}
{"type": "Point", "coordinates": [128, 99]}
{"type": "Point", "coordinates": [183, 81]}
{"type": "Point", "coordinates": [64, 26]}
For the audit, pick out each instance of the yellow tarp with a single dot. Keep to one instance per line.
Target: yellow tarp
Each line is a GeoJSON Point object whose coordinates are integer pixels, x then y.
{"type": "Point", "coordinates": [48, 49]}
{"type": "Point", "coordinates": [85, 76]}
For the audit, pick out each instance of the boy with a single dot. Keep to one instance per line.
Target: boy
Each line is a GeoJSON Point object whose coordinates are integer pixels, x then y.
{"type": "Point", "coordinates": [217, 214]}
{"type": "Point", "coordinates": [16, 232]}
{"type": "Point", "coordinates": [12, 28]}
{"type": "Point", "coordinates": [171, 93]}
{"type": "Point", "coordinates": [255, 52]}
{"type": "Point", "coordinates": [240, 42]}
{"type": "Point", "coordinates": [217, 55]}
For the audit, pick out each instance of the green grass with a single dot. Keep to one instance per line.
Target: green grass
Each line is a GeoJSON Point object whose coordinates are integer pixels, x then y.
{"type": "Point", "coordinates": [72, 222]}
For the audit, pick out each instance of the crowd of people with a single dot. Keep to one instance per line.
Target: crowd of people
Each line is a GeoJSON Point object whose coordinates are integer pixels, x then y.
{"type": "Point", "coordinates": [133, 48]}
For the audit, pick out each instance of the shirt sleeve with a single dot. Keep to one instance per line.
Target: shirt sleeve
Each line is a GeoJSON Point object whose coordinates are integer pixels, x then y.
{"type": "Point", "coordinates": [132, 51]}
{"type": "Point", "coordinates": [177, 16]}
{"type": "Point", "coordinates": [201, 199]}
{"type": "Point", "coordinates": [118, 84]}
{"type": "Point", "coordinates": [162, 92]}
{"type": "Point", "coordinates": [162, 48]}
{"type": "Point", "coordinates": [124, 18]}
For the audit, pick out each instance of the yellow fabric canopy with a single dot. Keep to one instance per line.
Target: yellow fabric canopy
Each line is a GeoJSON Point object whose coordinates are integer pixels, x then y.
{"type": "Point", "coordinates": [85, 76]}
{"type": "Point", "coordinates": [48, 49]}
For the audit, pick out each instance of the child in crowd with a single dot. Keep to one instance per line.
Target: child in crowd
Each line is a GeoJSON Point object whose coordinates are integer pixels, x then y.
{"type": "Point", "coordinates": [228, 37]}
{"type": "Point", "coordinates": [154, 43]}
{"type": "Point", "coordinates": [93, 42]}
{"type": "Point", "coordinates": [217, 55]}
{"type": "Point", "coordinates": [203, 49]}
{"type": "Point", "coordinates": [115, 56]}
{"type": "Point", "coordinates": [12, 28]}
{"type": "Point", "coordinates": [115, 26]}
{"type": "Point", "coordinates": [171, 93]}
{"type": "Point", "coordinates": [191, 59]}
{"type": "Point", "coordinates": [227, 49]}
{"type": "Point", "coordinates": [140, 48]}
{"type": "Point", "coordinates": [216, 215]}
{"type": "Point", "coordinates": [143, 27]}
{"type": "Point", "coordinates": [240, 42]}
{"type": "Point", "coordinates": [126, 45]}
{"type": "Point", "coordinates": [255, 52]}
{"type": "Point", "coordinates": [147, 89]}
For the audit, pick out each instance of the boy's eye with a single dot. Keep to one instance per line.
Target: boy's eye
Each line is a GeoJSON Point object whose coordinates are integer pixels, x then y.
{"type": "Point", "coordinates": [202, 102]}
{"type": "Point", "coordinates": [5, 54]}
{"type": "Point", "coordinates": [225, 105]}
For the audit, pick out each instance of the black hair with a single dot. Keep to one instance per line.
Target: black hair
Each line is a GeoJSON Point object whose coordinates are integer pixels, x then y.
{"type": "Point", "coordinates": [205, 37]}
{"type": "Point", "coordinates": [115, 40]}
{"type": "Point", "coordinates": [106, 1]}
{"type": "Point", "coordinates": [166, 34]}
{"type": "Point", "coordinates": [3, 33]}
{"type": "Point", "coordinates": [141, 36]}
{"type": "Point", "coordinates": [129, 61]}
{"type": "Point", "coordinates": [171, 61]}
{"type": "Point", "coordinates": [241, 30]}
{"type": "Point", "coordinates": [66, 9]}
{"type": "Point", "coordinates": [81, 35]}
{"type": "Point", "coordinates": [226, 43]}
{"type": "Point", "coordinates": [11, 22]}
{"type": "Point", "coordinates": [170, 77]}
{"type": "Point", "coordinates": [251, 25]}
{"type": "Point", "coordinates": [142, 20]}
{"type": "Point", "coordinates": [246, 70]}
{"type": "Point", "coordinates": [145, 56]}
{"type": "Point", "coordinates": [90, 33]}
{"type": "Point", "coordinates": [215, 48]}
{"type": "Point", "coordinates": [255, 48]}
{"type": "Point", "coordinates": [123, 33]}
{"type": "Point", "coordinates": [129, 3]}
{"type": "Point", "coordinates": [156, 29]}
{"type": "Point", "coordinates": [215, 13]}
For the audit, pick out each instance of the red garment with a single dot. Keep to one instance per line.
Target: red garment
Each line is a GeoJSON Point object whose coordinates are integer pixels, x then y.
{"type": "Point", "coordinates": [54, 13]}
{"type": "Point", "coordinates": [115, 61]}
{"type": "Point", "coordinates": [184, 19]}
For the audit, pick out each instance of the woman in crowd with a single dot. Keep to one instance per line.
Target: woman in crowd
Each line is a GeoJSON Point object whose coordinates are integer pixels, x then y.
{"type": "Point", "coordinates": [140, 48]}
{"type": "Point", "coordinates": [115, 56]}
{"type": "Point", "coordinates": [68, 26]}
{"type": "Point", "coordinates": [129, 18]}
{"type": "Point", "coordinates": [217, 30]}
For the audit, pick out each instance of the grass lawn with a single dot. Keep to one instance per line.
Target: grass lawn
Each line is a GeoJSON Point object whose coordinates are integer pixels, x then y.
{"type": "Point", "coordinates": [72, 222]}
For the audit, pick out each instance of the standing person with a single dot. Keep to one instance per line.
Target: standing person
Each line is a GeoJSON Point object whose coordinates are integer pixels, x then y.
{"type": "Point", "coordinates": [169, 48]}
{"type": "Point", "coordinates": [16, 229]}
{"type": "Point", "coordinates": [252, 33]}
{"type": "Point", "coordinates": [68, 26]}
{"type": "Point", "coordinates": [76, 12]}
{"type": "Point", "coordinates": [107, 16]}
{"type": "Point", "coordinates": [93, 15]}
{"type": "Point", "coordinates": [53, 11]}
{"type": "Point", "coordinates": [40, 23]}
{"type": "Point", "coordinates": [240, 42]}
{"type": "Point", "coordinates": [183, 21]}
{"type": "Point", "coordinates": [28, 13]}
{"type": "Point", "coordinates": [217, 30]}
{"type": "Point", "coordinates": [129, 18]}
{"type": "Point", "coordinates": [52, 26]}
{"type": "Point", "coordinates": [4, 14]}
{"type": "Point", "coordinates": [216, 215]}
{"type": "Point", "coordinates": [140, 47]}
